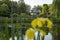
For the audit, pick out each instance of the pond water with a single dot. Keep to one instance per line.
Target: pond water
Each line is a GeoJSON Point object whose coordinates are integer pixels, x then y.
{"type": "Point", "coordinates": [47, 37]}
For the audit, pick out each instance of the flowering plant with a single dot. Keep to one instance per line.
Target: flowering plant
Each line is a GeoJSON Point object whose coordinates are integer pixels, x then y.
{"type": "Point", "coordinates": [41, 25]}
{"type": "Point", "coordinates": [30, 33]}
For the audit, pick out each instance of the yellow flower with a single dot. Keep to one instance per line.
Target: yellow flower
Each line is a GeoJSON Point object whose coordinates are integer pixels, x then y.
{"type": "Point", "coordinates": [43, 32]}
{"type": "Point", "coordinates": [29, 39]}
{"type": "Point", "coordinates": [37, 22]}
{"type": "Point", "coordinates": [40, 22]}
{"type": "Point", "coordinates": [33, 23]}
{"type": "Point", "coordinates": [49, 23]}
{"type": "Point", "coordinates": [30, 33]}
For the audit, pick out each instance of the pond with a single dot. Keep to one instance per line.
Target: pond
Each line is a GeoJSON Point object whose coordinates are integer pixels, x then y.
{"type": "Point", "coordinates": [47, 37]}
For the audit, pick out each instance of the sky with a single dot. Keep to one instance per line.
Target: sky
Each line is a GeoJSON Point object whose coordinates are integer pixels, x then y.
{"type": "Point", "coordinates": [37, 2]}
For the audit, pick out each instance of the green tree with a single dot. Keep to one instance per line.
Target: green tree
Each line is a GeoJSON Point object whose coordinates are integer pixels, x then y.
{"type": "Point", "coordinates": [14, 7]}
{"type": "Point", "coordinates": [8, 7]}
{"type": "Point", "coordinates": [3, 9]}
{"type": "Point", "coordinates": [23, 8]}
{"type": "Point", "coordinates": [28, 8]}
{"type": "Point", "coordinates": [56, 4]}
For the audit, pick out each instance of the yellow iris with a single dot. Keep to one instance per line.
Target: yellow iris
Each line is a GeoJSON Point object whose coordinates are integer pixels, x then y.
{"type": "Point", "coordinates": [37, 22]}
{"type": "Point", "coordinates": [49, 23]}
{"type": "Point", "coordinates": [30, 33]}
{"type": "Point", "coordinates": [40, 22]}
{"type": "Point", "coordinates": [34, 23]}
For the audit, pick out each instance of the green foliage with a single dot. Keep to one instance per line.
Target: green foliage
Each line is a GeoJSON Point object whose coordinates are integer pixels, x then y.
{"type": "Point", "coordinates": [45, 8]}
{"type": "Point", "coordinates": [3, 9]}
{"type": "Point", "coordinates": [56, 4]}
{"type": "Point", "coordinates": [6, 30]}
{"type": "Point", "coordinates": [24, 8]}
{"type": "Point", "coordinates": [10, 7]}
{"type": "Point", "coordinates": [55, 19]}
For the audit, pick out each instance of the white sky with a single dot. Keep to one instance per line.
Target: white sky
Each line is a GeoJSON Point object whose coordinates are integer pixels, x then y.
{"type": "Point", "coordinates": [37, 2]}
